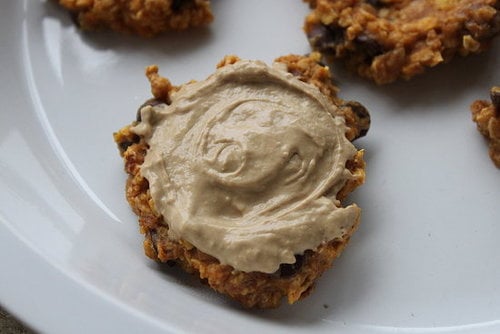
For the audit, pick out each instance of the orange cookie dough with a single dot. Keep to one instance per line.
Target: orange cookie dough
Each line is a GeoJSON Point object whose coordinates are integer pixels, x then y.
{"type": "Point", "coordinates": [141, 17]}
{"type": "Point", "coordinates": [252, 288]}
{"type": "Point", "coordinates": [486, 114]}
{"type": "Point", "coordinates": [384, 40]}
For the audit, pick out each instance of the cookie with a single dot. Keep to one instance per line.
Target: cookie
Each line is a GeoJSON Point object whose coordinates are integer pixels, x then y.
{"type": "Point", "coordinates": [253, 175]}
{"type": "Point", "coordinates": [486, 114]}
{"type": "Point", "coordinates": [384, 40]}
{"type": "Point", "coordinates": [144, 18]}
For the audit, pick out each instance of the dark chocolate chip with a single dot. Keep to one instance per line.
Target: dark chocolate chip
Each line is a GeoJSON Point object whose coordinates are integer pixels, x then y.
{"type": "Point", "coordinates": [74, 18]}
{"type": "Point", "coordinates": [369, 46]}
{"type": "Point", "coordinates": [124, 145]}
{"type": "Point", "coordinates": [150, 102]}
{"type": "Point", "coordinates": [290, 269]}
{"type": "Point", "coordinates": [358, 109]}
{"type": "Point", "coordinates": [325, 38]}
{"type": "Point", "coordinates": [495, 98]}
{"type": "Point", "coordinates": [363, 121]}
{"type": "Point", "coordinates": [376, 3]}
{"type": "Point", "coordinates": [177, 5]}
{"type": "Point", "coordinates": [363, 133]}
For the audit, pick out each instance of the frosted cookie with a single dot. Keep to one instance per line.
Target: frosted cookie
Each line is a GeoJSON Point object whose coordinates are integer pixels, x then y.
{"type": "Point", "coordinates": [384, 40]}
{"type": "Point", "coordinates": [486, 114]}
{"type": "Point", "coordinates": [144, 18]}
{"type": "Point", "coordinates": [240, 178]}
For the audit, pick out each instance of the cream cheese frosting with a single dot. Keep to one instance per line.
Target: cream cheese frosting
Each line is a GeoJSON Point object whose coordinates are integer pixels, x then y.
{"type": "Point", "coordinates": [246, 165]}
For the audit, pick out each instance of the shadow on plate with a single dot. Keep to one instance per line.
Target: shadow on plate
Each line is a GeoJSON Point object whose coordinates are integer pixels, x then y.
{"type": "Point", "coordinates": [436, 87]}
{"type": "Point", "coordinates": [329, 296]}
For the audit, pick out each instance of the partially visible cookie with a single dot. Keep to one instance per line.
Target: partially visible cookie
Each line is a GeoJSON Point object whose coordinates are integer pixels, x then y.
{"type": "Point", "coordinates": [384, 40]}
{"type": "Point", "coordinates": [229, 164]}
{"type": "Point", "coordinates": [144, 18]}
{"type": "Point", "coordinates": [486, 114]}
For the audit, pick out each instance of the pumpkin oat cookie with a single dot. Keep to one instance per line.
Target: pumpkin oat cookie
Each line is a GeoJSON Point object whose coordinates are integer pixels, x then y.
{"type": "Point", "coordinates": [141, 17]}
{"type": "Point", "coordinates": [384, 40]}
{"type": "Point", "coordinates": [252, 289]}
{"type": "Point", "coordinates": [487, 117]}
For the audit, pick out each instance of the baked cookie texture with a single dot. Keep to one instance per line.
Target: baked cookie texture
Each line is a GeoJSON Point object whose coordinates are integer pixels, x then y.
{"type": "Point", "coordinates": [384, 40]}
{"type": "Point", "coordinates": [142, 17]}
{"type": "Point", "coordinates": [251, 289]}
{"type": "Point", "coordinates": [486, 114]}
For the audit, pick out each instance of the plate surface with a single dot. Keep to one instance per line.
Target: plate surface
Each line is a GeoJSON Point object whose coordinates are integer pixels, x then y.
{"type": "Point", "coordinates": [425, 259]}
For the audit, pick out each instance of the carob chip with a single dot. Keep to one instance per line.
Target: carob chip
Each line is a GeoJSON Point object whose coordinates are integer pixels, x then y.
{"type": "Point", "coordinates": [177, 5]}
{"type": "Point", "coordinates": [290, 269]}
{"type": "Point", "coordinates": [495, 98]}
{"type": "Point", "coordinates": [124, 145]}
{"type": "Point", "coordinates": [370, 47]}
{"type": "Point", "coordinates": [325, 38]}
{"type": "Point", "coordinates": [363, 116]}
{"type": "Point", "coordinates": [150, 102]}
{"type": "Point", "coordinates": [376, 3]}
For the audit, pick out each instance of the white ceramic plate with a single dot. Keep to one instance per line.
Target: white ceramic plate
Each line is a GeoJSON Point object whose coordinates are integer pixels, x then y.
{"type": "Point", "coordinates": [426, 258]}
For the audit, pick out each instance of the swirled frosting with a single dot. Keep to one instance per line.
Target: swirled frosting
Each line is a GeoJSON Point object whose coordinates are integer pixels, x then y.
{"type": "Point", "coordinates": [246, 165]}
